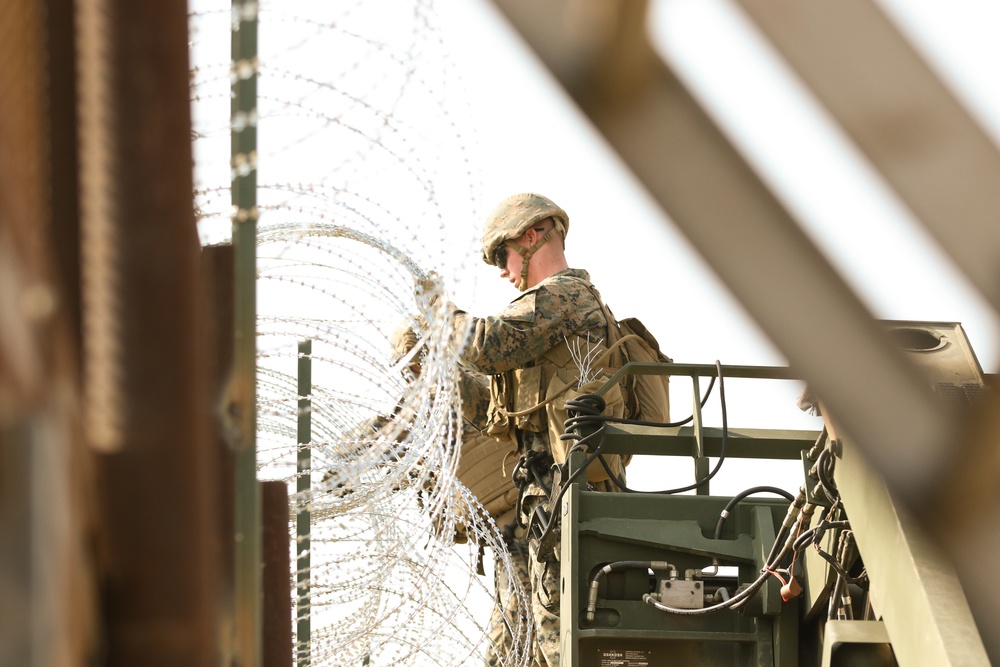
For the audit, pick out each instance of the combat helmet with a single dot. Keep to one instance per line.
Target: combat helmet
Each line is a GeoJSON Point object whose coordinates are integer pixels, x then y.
{"type": "Point", "coordinates": [513, 217]}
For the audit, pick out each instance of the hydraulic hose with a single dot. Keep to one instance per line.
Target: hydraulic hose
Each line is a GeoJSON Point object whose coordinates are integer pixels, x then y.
{"type": "Point", "coordinates": [595, 583]}
{"type": "Point", "coordinates": [735, 500]}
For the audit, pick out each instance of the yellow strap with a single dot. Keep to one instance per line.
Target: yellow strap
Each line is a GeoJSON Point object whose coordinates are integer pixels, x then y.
{"type": "Point", "coordinates": [527, 253]}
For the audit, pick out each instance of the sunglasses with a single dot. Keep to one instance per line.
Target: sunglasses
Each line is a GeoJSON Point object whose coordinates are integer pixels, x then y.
{"type": "Point", "coordinates": [500, 256]}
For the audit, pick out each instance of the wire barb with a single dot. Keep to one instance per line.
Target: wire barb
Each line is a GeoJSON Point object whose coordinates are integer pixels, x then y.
{"type": "Point", "coordinates": [583, 357]}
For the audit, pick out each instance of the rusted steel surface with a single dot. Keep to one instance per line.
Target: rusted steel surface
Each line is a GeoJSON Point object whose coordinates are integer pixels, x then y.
{"type": "Point", "coordinates": [160, 592]}
{"type": "Point", "coordinates": [276, 650]}
{"type": "Point", "coordinates": [217, 273]}
{"type": "Point", "coordinates": [47, 570]}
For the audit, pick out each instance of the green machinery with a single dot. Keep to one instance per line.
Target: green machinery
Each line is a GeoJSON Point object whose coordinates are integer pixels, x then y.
{"type": "Point", "coordinates": [840, 576]}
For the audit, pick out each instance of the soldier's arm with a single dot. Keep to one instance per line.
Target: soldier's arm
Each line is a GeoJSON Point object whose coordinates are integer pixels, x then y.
{"type": "Point", "coordinates": [529, 326]}
{"type": "Point", "coordinates": [474, 389]}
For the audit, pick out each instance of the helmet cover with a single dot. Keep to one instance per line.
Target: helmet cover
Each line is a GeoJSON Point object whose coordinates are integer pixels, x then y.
{"type": "Point", "coordinates": [514, 216]}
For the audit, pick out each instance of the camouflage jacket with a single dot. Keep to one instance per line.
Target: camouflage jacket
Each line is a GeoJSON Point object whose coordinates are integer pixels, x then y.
{"type": "Point", "coordinates": [523, 335]}
{"type": "Point", "coordinates": [535, 322]}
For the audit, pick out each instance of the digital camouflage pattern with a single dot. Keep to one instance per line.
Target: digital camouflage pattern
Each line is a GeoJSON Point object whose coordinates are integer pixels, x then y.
{"type": "Point", "coordinates": [532, 324]}
{"type": "Point", "coordinates": [403, 339]}
{"type": "Point", "coordinates": [541, 580]}
{"type": "Point", "coordinates": [474, 389]}
{"type": "Point", "coordinates": [514, 215]}
{"type": "Point", "coordinates": [523, 336]}
{"type": "Point", "coordinates": [544, 594]}
{"type": "Point", "coordinates": [503, 620]}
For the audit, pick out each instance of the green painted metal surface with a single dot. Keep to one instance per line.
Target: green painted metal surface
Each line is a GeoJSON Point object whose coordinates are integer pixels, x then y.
{"type": "Point", "coordinates": [913, 586]}
{"type": "Point", "coordinates": [925, 616]}
{"type": "Point", "coordinates": [844, 638]}
{"type": "Point", "coordinates": [303, 484]}
{"type": "Point", "coordinates": [248, 592]}
{"type": "Point", "coordinates": [602, 528]}
{"type": "Point", "coordinates": [683, 441]}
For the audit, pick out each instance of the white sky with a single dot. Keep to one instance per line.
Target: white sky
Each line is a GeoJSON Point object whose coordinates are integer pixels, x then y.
{"type": "Point", "coordinates": [533, 138]}
{"type": "Point", "coordinates": [527, 135]}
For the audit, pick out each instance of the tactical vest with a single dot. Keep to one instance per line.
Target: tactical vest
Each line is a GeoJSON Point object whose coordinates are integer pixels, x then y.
{"type": "Point", "coordinates": [533, 399]}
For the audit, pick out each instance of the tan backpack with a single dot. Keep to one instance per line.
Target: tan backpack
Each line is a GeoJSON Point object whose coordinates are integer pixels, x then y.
{"type": "Point", "coordinates": [647, 397]}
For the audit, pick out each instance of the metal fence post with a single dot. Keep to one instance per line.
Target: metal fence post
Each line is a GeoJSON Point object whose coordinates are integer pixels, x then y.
{"type": "Point", "coordinates": [302, 518]}
{"type": "Point", "coordinates": [244, 199]}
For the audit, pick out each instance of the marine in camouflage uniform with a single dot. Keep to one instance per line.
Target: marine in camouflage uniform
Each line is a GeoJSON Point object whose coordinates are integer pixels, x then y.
{"type": "Point", "coordinates": [525, 351]}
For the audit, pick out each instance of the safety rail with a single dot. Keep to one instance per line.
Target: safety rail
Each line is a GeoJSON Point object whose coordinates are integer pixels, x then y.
{"type": "Point", "coordinates": [698, 441]}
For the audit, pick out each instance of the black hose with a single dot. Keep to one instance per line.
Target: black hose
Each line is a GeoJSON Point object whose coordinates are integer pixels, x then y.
{"type": "Point", "coordinates": [818, 445]}
{"type": "Point", "coordinates": [743, 494]}
{"type": "Point", "coordinates": [815, 533]}
{"type": "Point", "coordinates": [722, 449]}
{"type": "Point", "coordinates": [778, 549]}
{"type": "Point", "coordinates": [588, 408]}
{"type": "Point", "coordinates": [824, 472]}
{"type": "Point", "coordinates": [734, 601]}
{"type": "Point", "coordinates": [704, 400]}
{"type": "Point", "coordinates": [604, 419]}
{"type": "Point", "coordinates": [595, 582]}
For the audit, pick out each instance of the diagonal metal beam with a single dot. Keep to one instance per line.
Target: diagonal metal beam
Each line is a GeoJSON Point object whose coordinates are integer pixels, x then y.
{"type": "Point", "coordinates": [905, 120]}
{"type": "Point", "coordinates": [913, 587]}
{"type": "Point", "coordinates": [744, 233]}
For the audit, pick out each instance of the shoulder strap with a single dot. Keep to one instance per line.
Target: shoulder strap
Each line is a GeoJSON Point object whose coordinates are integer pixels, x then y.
{"type": "Point", "coordinates": [613, 342]}
{"type": "Point", "coordinates": [616, 346]}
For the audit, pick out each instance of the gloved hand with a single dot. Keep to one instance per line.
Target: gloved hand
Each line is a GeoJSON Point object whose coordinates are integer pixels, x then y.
{"type": "Point", "coordinates": [403, 339]}
{"type": "Point", "coordinates": [427, 290]}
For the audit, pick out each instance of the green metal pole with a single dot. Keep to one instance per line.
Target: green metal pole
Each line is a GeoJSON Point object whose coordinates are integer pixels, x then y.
{"type": "Point", "coordinates": [248, 589]}
{"type": "Point", "coordinates": [303, 604]}
{"type": "Point", "coordinates": [701, 462]}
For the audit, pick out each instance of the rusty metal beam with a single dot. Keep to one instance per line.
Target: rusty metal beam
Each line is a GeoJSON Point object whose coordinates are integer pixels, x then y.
{"type": "Point", "coordinates": [161, 587]}
{"type": "Point", "coordinates": [218, 279]}
{"type": "Point", "coordinates": [901, 115]}
{"type": "Point", "coordinates": [48, 608]}
{"type": "Point", "coordinates": [276, 650]}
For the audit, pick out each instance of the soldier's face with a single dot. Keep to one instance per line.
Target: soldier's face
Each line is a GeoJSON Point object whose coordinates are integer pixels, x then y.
{"type": "Point", "coordinates": [512, 270]}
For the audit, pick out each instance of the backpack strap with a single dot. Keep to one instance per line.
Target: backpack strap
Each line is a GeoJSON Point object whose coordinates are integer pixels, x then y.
{"type": "Point", "coordinates": [615, 343]}
{"type": "Point", "coordinates": [614, 339]}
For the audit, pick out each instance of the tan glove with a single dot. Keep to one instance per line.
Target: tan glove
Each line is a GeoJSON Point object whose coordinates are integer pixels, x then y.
{"type": "Point", "coordinates": [427, 290]}
{"type": "Point", "coordinates": [404, 340]}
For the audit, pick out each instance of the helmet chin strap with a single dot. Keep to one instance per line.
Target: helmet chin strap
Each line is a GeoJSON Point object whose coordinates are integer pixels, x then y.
{"type": "Point", "coordinates": [527, 253]}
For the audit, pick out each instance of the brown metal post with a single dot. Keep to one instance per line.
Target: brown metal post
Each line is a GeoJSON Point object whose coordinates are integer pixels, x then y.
{"type": "Point", "coordinates": [276, 650]}
{"type": "Point", "coordinates": [218, 274]}
{"type": "Point", "coordinates": [160, 590]}
{"type": "Point", "coordinates": [48, 608]}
